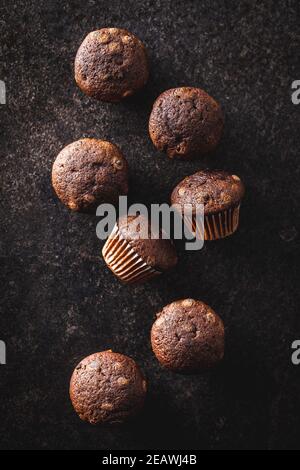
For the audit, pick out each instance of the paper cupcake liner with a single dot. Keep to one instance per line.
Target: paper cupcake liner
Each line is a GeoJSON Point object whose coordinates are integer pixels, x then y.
{"type": "Point", "coordinates": [193, 227]}
{"type": "Point", "coordinates": [124, 262]}
{"type": "Point", "coordinates": [222, 224]}
{"type": "Point", "coordinates": [219, 225]}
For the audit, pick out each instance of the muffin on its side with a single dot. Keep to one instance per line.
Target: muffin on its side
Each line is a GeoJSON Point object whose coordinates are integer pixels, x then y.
{"type": "Point", "coordinates": [107, 387]}
{"type": "Point", "coordinates": [220, 193]}
{"type": "Point", "coordinates": [186, 123]}
{"type": "Point", "coordinates": [188, 336]}
{"type": "Point", "coordinates": [90, 172]}
{"type": "Point", "coordinates": [133, 254]}
{"type": "Point", "coordinates": [111, 64]}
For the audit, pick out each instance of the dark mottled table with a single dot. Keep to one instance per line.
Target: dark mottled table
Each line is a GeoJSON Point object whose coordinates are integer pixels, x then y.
{"type": "Point", "coordinates": [58, 300]}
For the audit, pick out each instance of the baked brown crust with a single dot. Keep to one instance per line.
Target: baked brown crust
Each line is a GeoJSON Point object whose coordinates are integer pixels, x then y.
{"type": "Point", "coordinates": [188, 336]}
{"type": "Point", "coordinates": [186, 122]}
{"type": "Point", "coordinates": [216, 189]}
{"type": "Point", "coordinates": [157, 252]}
{"type": "Point", "coordinates": [111, 64]}
{"type": "Point", "coordinates": [107, 387]}
{"type": "Point", "coordinates": [89, 172]}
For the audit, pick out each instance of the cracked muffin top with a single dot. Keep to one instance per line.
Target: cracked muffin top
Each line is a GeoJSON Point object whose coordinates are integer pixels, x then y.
{"type": "Point", "coordinates": [107, 387]}
{"type": "Point", "coordinates": [89, 172]}
{"type": "Point", "coordinates": [185, 123]}
{"type": "Point", "coordinates": [216, 189]}
{"type": "Point", "coordinates": [111, 64]}
{"type": "Point", "coordinates": [188, 336]}
{"type": "Point", "coordinates": [156, 251]}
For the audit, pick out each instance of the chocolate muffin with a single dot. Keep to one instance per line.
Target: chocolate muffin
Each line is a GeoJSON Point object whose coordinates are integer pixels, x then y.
{"type": "Point", "coordinates": [220, 193]}
{"type": "Point", "coordinates": [135, 253]}
{"type": "Point", "coordinates": [186, 123]}
{"type": "Point", "coordinates": [89, 172]}
{"type": "Point", "coordinates": [107, 387]}
{"type": "Point", "coordinates": [111, 64]}
{"type": "Point", "coordinates": [188, 336]}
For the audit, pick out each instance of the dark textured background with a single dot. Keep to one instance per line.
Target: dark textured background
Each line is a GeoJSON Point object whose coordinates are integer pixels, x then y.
{"type": "Point", "coordinates": [58, 300]}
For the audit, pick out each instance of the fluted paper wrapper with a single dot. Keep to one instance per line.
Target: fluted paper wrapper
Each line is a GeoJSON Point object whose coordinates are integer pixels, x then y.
{"type": "Point", "coordinates": [124, 262]}
{"type": "Point", "coordinates": [218, 225]}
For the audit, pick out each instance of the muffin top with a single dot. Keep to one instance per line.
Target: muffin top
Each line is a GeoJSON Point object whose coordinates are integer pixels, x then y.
{"type": "Point", "coordinates": [188, 336]}
{"type": "Point", "coordinates": [107, 387]}
{"type": "Point", "coordinates": [157, 252]}
{"type": "Point", "coordinates": [111, 64]}
{"type": "Point", "coordinates": [216, 189]}
{"type": "Point", "coordinates": [185, 122]}
{"type": "Point", "coordinates": [89, 172]}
